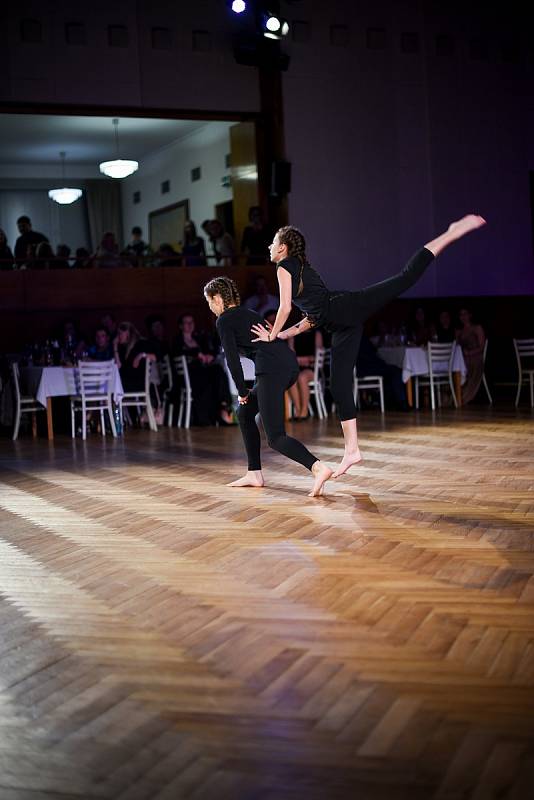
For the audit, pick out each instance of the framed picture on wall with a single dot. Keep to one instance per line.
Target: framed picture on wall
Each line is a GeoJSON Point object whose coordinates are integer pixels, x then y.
{"type": "Point", "coordinates": [166, 225]}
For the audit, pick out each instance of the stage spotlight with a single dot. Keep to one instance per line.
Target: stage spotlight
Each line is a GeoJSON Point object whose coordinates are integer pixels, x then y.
{"type": "Point", "coordinates": [273, 24]}
{"type": "Point", "coordinates": [238, 6]}
{"type": "Point", "coordinates": [274, 27]}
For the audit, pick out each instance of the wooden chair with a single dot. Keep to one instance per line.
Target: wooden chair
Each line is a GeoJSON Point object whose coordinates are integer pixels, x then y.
{"type": "Point", "coordinates": [437, 353]}
{"type": "Point", "coordinates": [140, 400]}
{"type": "Point", "coordinates": [24, 403]}
{"type": "Point", "coordinates": [96, 394]}
{"type": "Point", "coordinates": [186, 394]}
{"type": "Point", "coordinates": [369, 382]}
{"type": "Point", "coordinates": [524, 349]}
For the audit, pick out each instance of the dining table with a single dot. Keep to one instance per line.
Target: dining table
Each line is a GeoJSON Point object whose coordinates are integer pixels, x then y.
{"type": "Point", "coordinates": [44, 383]}
{"type": "Point", "coordinates": [413, 361]}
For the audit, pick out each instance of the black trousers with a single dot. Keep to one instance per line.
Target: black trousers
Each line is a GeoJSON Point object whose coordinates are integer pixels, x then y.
{"type": "Point", "coordinates": [267, 399]}
{"type": "Point", "coordinates": [347, 313]}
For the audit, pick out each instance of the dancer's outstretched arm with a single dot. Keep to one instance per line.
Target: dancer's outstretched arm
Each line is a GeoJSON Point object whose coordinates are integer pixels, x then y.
{"type": "Point", "coordinates": [269, 335]}
{"type": "Point", "coordinates": [300, 327]}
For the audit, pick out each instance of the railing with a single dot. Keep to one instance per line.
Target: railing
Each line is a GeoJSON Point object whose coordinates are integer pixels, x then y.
{"type": "Point", "coordinates": [135, 262]}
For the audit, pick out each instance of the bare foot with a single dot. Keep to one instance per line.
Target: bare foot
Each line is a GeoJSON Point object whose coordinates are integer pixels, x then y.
{"type": "Point", "coordinates": [321, 472]}
{"type": "Point", "coordinates": [250, 478]}
{"type": "Point", "coordinates": [468, 223]}
{"type": "Point", "coordinates": [349, 459]}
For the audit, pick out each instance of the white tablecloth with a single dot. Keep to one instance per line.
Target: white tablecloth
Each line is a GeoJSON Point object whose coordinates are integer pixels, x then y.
{"type": "Point", "coordinates": [249, 373]}
{"type": "Point", "coordinates": [414, 361]}
{"type": "Point", "coordinates": [45, 382]}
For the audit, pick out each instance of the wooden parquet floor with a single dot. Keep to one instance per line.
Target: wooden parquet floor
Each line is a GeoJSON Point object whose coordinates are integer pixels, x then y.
{"type": "Point", "coordinates": [163, 637]}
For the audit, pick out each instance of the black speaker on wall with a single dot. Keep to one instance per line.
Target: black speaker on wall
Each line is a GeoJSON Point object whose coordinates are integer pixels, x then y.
{"type": "Point", "coordinates": [280, 178]}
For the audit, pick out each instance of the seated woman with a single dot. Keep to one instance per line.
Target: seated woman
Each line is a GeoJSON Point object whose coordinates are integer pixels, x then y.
{"type": "Point", "coordinates": [421, 331]}
{"type": "Point", "coordinates": [305, 347]}
{"type": "Point", "coordinates": [471, 339]}
{"type": "Point", "coordinates": [211, 393]}
{"type": "Point", "coordinates": [193, 250]}
{"type": "Point", "coordinates": [130, 353]}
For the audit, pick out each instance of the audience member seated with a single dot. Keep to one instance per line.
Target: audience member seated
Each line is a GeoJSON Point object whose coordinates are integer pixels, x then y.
{"type": "Point", "coordinates": [261, 301]}
{"type": "Point", "coordinates": [166, 256]}
{"type": "Point", "coordinates": [28, 238]}
{"type": "Point", "coordinates": [61, 261]}
{"type": "Point", "coordinates": [471, 338]}
{"type": "Point", "coordinates": [6, 256]}
{"type": "Point", "coordinates": [137, 248]}
{"type": "Point", "coordinates": [109, 322]}
{"type": "Point", "coordinates": [71, 341]}
{"type": "Point", "coordinates": [223, 244]}
{"type": "Point", "coordinates": [102, 349]}
{"type": "Point", "coordinates": [209, 382]}
{"type": "Point", "coordinates": [370, 363]}
{"type": "Point", "coordinates": [157, 337]}
{"type": "Point", "coordinates": [44, 256]}
{"type": "Point", "coordinates": [130, 353]}
{"type": "Point", "coordinates": [256, 238]}
{"type": "Point", "coordinates": [421, 331]}
{"type": "Point", "coordinates": [107, 254]}
{"type": "Point", "coordinates": [83, 259]}
{"type": "Point", "coordinates": [445, 329]}
{"type": "Point", "coordinates": [193, 250]}
{"type": "Point", "coordinates": [304, 345]}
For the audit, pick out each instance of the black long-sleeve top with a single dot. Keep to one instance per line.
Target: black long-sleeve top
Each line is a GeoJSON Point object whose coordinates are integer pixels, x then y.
{"type": "Point", "coordinates": [234, 328]}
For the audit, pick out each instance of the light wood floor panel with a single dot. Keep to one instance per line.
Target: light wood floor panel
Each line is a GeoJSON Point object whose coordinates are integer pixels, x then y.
{"type": "Point", "coordinates": [162, 636]}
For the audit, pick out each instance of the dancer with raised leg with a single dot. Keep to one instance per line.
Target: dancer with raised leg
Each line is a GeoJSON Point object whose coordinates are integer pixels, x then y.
{"type": "Point", "coordinates": [276, 370]}
{"type": "Point", "coordinates": [343, 313]}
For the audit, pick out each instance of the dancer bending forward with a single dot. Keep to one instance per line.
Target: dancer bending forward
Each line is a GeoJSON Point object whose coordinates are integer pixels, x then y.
{"type": "Point", "coordinates": [343, 313]}
{"type": "Point", "coordinates": [276, 370]}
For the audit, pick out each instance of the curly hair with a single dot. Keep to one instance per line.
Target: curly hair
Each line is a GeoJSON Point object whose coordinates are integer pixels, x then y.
{"type": "Point", "coordinates": [296, 248]}
{"type": "Point", "coordinates": [226, 287]}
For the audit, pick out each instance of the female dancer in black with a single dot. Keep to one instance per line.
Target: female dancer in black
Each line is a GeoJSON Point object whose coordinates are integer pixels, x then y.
{"type": "Point", "coordinates": [343, 313]}
{"type": "Point", "coordinates": [276, 370]}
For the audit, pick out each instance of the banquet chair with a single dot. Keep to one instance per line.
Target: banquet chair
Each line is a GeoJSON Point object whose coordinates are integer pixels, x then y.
{"type": "Point", "coordinates": [24, 403]}
{"type": "Point", "coordinates": [186, 394]}
{"type": "Point", "coordinates": [96, 392]}
{"type": "Point", "coordinates": [318, 382]}
{"type": "Point", "coordinates": [524, 352]}
{"type": "Point", "coordinates": [368, 382]}
{"type": "Point", "coordinates": [140, 399]}
{"type": "Point", "coordinates": [437, 353]}
{"type": "Point", "coordinates": [484, 381]}
{"type": "Point", "coordinates": [166, 379]}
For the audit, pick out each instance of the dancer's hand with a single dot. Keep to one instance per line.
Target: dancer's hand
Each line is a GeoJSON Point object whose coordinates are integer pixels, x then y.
{"type": "Point", "coordinates": [262, 333]}
{"type": "Point", "coordinates": [243, 400]}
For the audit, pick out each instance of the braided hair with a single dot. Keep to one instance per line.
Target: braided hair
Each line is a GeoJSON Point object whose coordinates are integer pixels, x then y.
{"type": "Point", "coordinates": [226, 287]}
{"type": "Point", "coordinates": [296, 247]}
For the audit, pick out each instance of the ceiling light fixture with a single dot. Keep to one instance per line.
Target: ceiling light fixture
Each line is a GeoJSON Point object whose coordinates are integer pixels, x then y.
{"type": "Point", "coordinates": [66, 195]}
{"type": "Point", "coordinates": [119, 167]}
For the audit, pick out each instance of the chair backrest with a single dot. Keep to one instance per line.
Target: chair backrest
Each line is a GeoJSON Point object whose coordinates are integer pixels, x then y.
{"type": "Point", "coordinates": [440, 352]}
{"type": "Point", "coordinates": [96, 377]}
{"type": "Point", "coordinates": [322, 360]}
{"type": "Point", "coordinates": [524, 348]}
{"type": "Point", "coordinates": [180, 365]}
{"type": "Point", "coordinates": [16, 381]}
{"type": "Point", "coordinates": [165, 372]}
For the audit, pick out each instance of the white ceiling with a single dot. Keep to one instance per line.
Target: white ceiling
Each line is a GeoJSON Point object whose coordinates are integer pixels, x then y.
{"type": "Point", "coordinates": [38, 139]}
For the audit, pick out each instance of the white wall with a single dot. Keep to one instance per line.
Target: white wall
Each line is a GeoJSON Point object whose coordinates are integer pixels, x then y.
{"type": "Point", "coordinates": [61, 224]}
{"type": "Point", "coordinates": [206, 148]}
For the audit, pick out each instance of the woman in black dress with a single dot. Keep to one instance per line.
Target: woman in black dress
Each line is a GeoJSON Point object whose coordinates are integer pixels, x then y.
{"type": "Point", "coordinates": [343, 313]}
{"type": "Point", "coordinates": [276, 371]}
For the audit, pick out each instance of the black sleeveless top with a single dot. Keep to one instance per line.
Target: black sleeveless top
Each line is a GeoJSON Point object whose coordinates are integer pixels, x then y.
{"type": "Point", "coordinates": [314, 299]}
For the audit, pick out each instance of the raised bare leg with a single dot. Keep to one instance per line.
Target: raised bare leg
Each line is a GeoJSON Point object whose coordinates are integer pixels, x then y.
{"type": "Point", "coordinates": [454, 232]}
{"type": "Point", "coordinates": [352, 453]}
{"type": "Point", "coordinates": [321, 472]}
{"type": "Point", "coordinates": [252, 478]}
